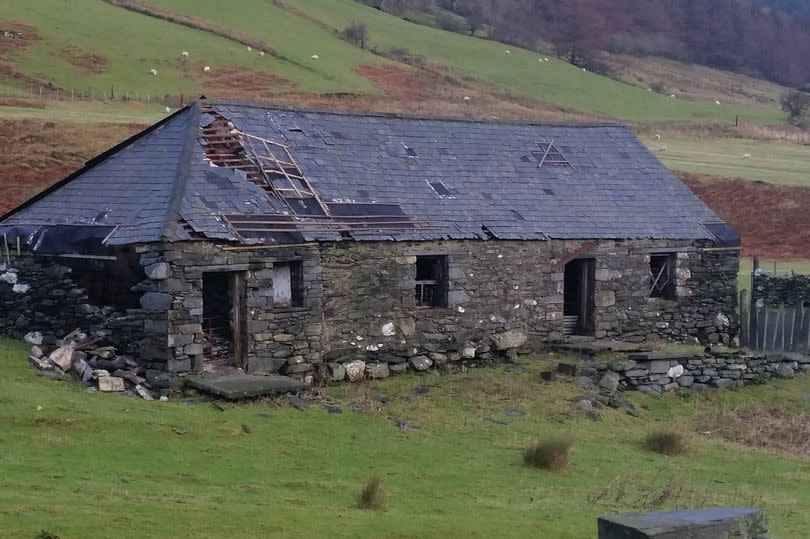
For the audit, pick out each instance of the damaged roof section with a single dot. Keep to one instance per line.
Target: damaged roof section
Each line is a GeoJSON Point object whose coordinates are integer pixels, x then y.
{"type": "Point", "coordinates": [252, 174]}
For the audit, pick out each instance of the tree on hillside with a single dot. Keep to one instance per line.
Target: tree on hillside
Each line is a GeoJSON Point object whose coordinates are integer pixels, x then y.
{"type": "Point", "coordinates": [795, 103]}
{"type": "Point", "coordinates": [357, 33]}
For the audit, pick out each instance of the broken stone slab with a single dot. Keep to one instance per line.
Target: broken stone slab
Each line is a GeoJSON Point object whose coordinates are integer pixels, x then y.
{"type": "Point", "coordinates": [242, 386]}
{"type": "Point", "coordinates": [509, 339]}
{"type": "Point", "coordinates": [143, 393]}
{"type": "Point", "coordinates": [62, 357]}
{"type": "Point", "coordinates": [130, 376]}
{"type": "Point", "coordinates": [111, 384]}
{"type": "Point", "coordinates": [377, 370]}
{"type": "Point", "coordinates": [37, 352]}
{"type": "Point", "coordinates": [160, 271]}
{"type": "Point", "coordinates": [695, 524]}
{"type": "Point", "coordinates": [33, 337]}
{"type": "Point", "coordinates": [80, 365]}
{"type": "Point", "coordinates": [420, 363]}
{"type": "Point", "coordinates": [40, 363]}
{"type": "Point", "coordinates": [355, 370]}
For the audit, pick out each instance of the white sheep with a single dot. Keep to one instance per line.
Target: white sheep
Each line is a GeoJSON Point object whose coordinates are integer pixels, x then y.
{"type": "Point", "coordinates": [657, 136]}
{"type": "Point", "coordinates": [261, 53]}
{"type": "Point", "coordinates": [249, 48]}
{"type": "Point", "coordinates": [315, 56]}
{"type": "Point", "coordinates": [746, 156]}
{"type": "Point", "coordinates": [168, 109]}
{"type": "Point", "coordinates": [672, 96]}
{"type": "Point", "coordinates": [207, 69]}
{"type": "Point", "coordinates": [466, 98]}
{"type": "Point", "coordinates": [153, 72]}
{"type": "Point", "coordinates": [649, 90]}
{"type": "Point", "coordinates": [507, 51]}
{"type": "Point", "coordinates": [184, 54]}
{"type": "Point", "coordinates": [716, 101]}
{"type": "Point", "coordinates": [545, 59]}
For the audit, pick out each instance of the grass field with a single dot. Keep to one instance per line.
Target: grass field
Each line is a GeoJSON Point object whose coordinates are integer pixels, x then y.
{"type": "Point", "coordinates": [88, 112]}
{"type": "Point", "coordinates": [93, 26]}
{"type": "Point", "coordinates": [771, 161]}
{"type": "Point", "coordinates": [81, 464]}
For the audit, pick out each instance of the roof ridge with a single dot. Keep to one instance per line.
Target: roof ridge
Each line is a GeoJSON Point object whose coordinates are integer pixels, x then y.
{"type": "Point", "coordinates": [406, 116]}
{"type": "Point", "coordinates": [183, 170]}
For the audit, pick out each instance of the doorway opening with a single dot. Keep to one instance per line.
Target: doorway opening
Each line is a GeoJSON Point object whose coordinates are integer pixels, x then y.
{"type": "Point", "coordinates": [578, 298]}
{"type": "Point", "coordinates": [223, 320]}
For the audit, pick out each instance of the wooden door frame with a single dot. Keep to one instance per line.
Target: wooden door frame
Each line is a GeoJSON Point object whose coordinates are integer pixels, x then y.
{"type": "Point", "coordinates": [239, 318]}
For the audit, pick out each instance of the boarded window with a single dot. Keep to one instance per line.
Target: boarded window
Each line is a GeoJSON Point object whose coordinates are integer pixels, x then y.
{"type": "Point", "coordinates": [431, 281]}
{"type": "Point", "coordinates": [288, 284]}
{"type": "Point", "coordinates": [662, 276]}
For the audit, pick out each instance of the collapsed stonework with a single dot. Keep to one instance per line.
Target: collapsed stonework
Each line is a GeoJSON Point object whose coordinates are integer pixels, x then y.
{"type": "Point", "coordinates": [355, 313]}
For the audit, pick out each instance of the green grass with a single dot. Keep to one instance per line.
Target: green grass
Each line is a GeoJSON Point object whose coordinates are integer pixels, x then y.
{"type": "Point", "coordinates": [88, 465]}
{"type": "Point", "coordinates": [134, 43]}
{"type": "Point", "coordinates": [89, 111]}
{"type": "Point", "coordinates": [555, 82]}
{"type": "Point", "coordinates": [771, 161]}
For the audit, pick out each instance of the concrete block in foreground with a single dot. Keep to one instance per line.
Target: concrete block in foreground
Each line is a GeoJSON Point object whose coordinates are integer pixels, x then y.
{"type": "Point", "coordinates": [717, 523]}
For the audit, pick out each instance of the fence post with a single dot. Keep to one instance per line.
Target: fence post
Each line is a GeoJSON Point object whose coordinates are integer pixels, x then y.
{"type": "Point", "coordinates": [745, 317]}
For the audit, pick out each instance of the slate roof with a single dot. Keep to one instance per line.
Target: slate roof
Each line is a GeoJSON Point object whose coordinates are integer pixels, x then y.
{"type": "Point", "coordinates": [614, 189]}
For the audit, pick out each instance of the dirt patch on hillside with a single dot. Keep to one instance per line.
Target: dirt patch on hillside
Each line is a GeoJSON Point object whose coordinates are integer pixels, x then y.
{"type": "Point", "coordinates": [87, 62]}
{"type": "Point", "coordinates": [398, 83]}
{"type": "Point", "coordinates": [27, 35]}
{"type": "Point", "coordinates": [245, 83]}
{"type": "Point", "coordinates": [35, 154]}
{"type": "Point", "coordinates": [21, 102]}
{"type": "Point", "coordinates": [773, 220]}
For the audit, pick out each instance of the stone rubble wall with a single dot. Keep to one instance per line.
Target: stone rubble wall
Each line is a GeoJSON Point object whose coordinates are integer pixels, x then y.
{"type": "Point", "coordinates": [359, 303]}
{"type": "Point", "coordinates": [45, 298]}
{"type": "Point", "coordinates": [711, 370]}
{"type": "Point", "coordinates": [775, 290]}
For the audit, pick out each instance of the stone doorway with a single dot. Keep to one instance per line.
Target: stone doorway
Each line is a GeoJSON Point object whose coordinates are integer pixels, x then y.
{"type": "Point", "coordinates": [224, 316]}
{"type": "Point", "coordinates": [578, 298]}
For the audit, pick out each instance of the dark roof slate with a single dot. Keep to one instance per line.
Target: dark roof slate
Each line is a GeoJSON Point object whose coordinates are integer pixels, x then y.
{"type": "Point", "coordinates": [615, 188]}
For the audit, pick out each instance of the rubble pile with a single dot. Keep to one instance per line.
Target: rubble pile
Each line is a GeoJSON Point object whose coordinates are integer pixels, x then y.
{"type": "Point", "coordinates": [93, 359]}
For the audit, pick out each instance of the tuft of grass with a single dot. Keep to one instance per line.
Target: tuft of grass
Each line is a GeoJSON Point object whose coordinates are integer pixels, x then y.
{"type": "Point", "coordinates": [372, 495]}
{"type": "Point", "coordinates": [549, 454]}
{"type": "Point", "coordinates": [667, 441]}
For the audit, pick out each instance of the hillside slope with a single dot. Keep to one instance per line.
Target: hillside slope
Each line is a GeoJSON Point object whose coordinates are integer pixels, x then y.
{"type": "Point", "coordinates": [90, 44]}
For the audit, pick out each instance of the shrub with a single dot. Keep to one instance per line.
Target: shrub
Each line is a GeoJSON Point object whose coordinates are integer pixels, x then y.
{"type": "Point", "coordinates": [549, 454]}
{"type": "Point", "coordinates": [668, 442]}
{"type": "Point", "coordinates": [356, 33]}
{"type": "Point", "coordinates": [452, 23]}
{"type": "Point", "coordinates": [371, 497]}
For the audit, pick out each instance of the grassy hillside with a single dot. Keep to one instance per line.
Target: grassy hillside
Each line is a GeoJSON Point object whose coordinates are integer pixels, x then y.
{"type": "Point", "coordinates": [771, 161]}
{"type": "Point", "coordinates": [127, 45]}
{"type": "Point", "coordinates": [81, 464]}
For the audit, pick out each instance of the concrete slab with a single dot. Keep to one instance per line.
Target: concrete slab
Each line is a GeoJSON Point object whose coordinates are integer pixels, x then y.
{"type": "Point", "coordinates": [741, 523]}
{"type": "Point", "coordinates": [587, 345]}
{"type": "Point", "coordinates": [244, 386]}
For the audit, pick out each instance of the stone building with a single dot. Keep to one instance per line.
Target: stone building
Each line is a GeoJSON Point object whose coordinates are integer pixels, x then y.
{"type": "Point", "coordinates": [288, 241]}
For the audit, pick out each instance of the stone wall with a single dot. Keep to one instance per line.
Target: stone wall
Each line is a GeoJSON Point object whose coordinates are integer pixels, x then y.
{"type": "Point", "coordinates": [658, 373]}
{"type": "Point", "coordinates": [359, 301]}
{"type": "Point", "coordinates": [774, 290]}
{"type": "Point", "coordinates": [42, 294]}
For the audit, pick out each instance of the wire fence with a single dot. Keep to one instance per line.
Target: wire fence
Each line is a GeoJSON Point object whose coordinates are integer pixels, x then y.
{"type": "Point", "coordinates": [93, 94]}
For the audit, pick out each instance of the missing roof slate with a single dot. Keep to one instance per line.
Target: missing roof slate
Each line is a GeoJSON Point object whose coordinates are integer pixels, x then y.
{"type": "Point", "coordinates": [440, 188]}
{"type": "Point", "coordinates": [550, 155]}
{"type": "Point", "coordinates": [411, 152]}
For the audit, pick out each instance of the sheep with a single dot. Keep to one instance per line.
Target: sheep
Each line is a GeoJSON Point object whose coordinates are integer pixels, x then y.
{"type": "Point", "coordinates": [583, 69]}
{"type": "Point", "coordinates": [545, 59]}
{"type": "Point", "coordinates": [168, 109]}
{"type": "Point", "coordinates": [466, 98]}
{"type": "Point", "coordinates": [207, 69]}
{"type": "Point", "coordinates": [249, 48]}
{"type": "Point", "coordinates": [716, 101]}
{"type": "Point", "coordinates": [657, 136]}
{"type": "Point", "coordinates": [672, 96]}
{"type": "Point", "coordinates": [649, 90]}
{"type": "Point", "coordinates": [746, 156]}
{"type": "Point", "coordinates": [261, 53]}
{"type": "Point", "coordinates": [507, 51]}
{"type": "Point", "coordinates": [184, 54]}
{"type": "Point", "coordinates": [153, 72]}
{"type": "Point", "coordinates": [315, 56]}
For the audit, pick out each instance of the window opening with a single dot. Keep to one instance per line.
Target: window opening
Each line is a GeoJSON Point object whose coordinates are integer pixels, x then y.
{"type": "Point", "coordinates": [662, 276]}
{"type": "Point", "coordinates": [288, 284]}
{"type": "Point", "coordinates": [431, 281]}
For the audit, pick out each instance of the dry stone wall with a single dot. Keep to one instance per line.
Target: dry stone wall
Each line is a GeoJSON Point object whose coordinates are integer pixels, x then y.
{"type": "Point", "coordinates": [774, 290]}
